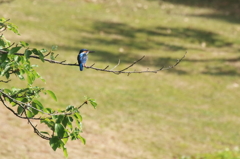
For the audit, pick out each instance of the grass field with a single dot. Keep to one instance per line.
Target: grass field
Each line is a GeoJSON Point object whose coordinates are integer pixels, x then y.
{"type": "Point", "coordinates": [189, 110]}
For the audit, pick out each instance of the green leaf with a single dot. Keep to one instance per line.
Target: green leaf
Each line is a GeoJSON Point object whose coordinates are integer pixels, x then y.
{"type": "Point", "coordinates": [2, 20]}
{"type": "Point", "coordinates": [27, 53]}
{"type": "Point", "coordinates": [24, 44]}
{"type": "Point", "coordinates": [24, 100]}
{"type": "Point", "coordinates": [59, 129]}
{"type": "Point", "coordinates": [20, 110]}
{"type": "Point", "coordinates": [20, 77]}
{"type": "Point", "coordinates": [48, 110]}
{"type": "Point", "coordinates": [65, 152]}
{"type": "Point", "coordinates": [54, 47]}
{"type": "Point", "coordinates": [78, 116]}
{"type": "Point", "coordinates": [38, 104]}
{"type": "Point", "coordinates": [65, 121]}
{"type": "Point", "coordinates": [52, 56]}
{"type": "Point", "coordinates": [69, 124]}
{"type": "Point", "coordinates": [73, 136]}
{"type": "Point", "coordinates": [3, 57]}
{"type": "Point", "coordinates": [14, 50]}
{"type": "Point", "coordinates": [8, 91]}
{"type": "Point", "coordinates": [54, 143]}
{"type": "Point", "coordinates": [79, 125]}
{"type": "Point", "coordinates": [44, 132]}
{"type": "Point", "coordinates": [16, 58]}
{"type": "Point", "coordinates": [7, 75]}
{"type": "Point", "coordinates": [70, 119]}
{"type": "Point", "coordinates": [65, 138]}
{"type": "Point", "coordinates": [30, 113]}
{"type": "Point", "coordinates": [34, 111]}
{"type": "Point", "coordinates": [58, 118]}
{"type": "Point", "coordinates": [2, 43]}
{"type": "Point", "coordinates": [12, 27]}
{"type": "Point", "coordinates": [49, 123]}
{"type": "Point", "coordinates": [70, 108]}
{"type": "Point", "coordinates": [93, 103]}
{"type": "Point", "coordinates": [30, 79]}
{"type": "Point", "coordinates": [52, 94]}
{"type": "Point", "coordinates": [43, 50]}
{"type": "Point", "coordinates": [40, 55]}
{"type": "Point", "coordinates": [7, 43]}
{"type": "Point", "coordinates": [82, 139]}
{"type": "Point", "coordinates": [6, 69]}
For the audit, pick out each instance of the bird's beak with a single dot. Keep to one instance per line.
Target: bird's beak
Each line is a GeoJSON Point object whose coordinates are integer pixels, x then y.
{"type": "Point", "coordinates": [91, 51]}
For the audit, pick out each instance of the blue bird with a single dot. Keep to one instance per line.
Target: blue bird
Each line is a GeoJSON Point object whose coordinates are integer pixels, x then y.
{"type": "Point", "coordinates": [82, 58]}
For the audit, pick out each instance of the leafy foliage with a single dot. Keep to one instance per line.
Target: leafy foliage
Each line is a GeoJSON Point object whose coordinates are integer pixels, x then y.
{"type": "Point", "coordinates": [64, 124]}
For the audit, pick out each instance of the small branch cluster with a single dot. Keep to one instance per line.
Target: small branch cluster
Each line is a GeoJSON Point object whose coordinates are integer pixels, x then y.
{"type": "Point", "coordinates": [26, 109]}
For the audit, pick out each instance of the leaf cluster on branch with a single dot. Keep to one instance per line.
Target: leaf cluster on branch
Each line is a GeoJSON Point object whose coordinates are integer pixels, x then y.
{"type": "Point", "coordinates": [62, 125]}
{"type": "Point", "coordinates": [23, 102]}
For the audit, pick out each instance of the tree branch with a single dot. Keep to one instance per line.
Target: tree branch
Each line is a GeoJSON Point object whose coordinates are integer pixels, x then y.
{"type": "Point", "coordinates": [35, 129]}
{"type": "Point", "coordinates": [105, 69]}
{"type": "Point", "coordinates": [29, 121]}
{"type": "Point", "coordinates": [16, 114]}
{"type": "Point", "coordinates": [5, 81]}
{"type": "Point", "coordinates": [27, 105]}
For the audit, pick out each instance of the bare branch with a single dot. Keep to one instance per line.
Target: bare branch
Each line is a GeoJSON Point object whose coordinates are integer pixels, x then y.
{"type": "Point", "coordinates": [132, 64]}
{"type": "Point", "coordinates": [92, 65]}
{"type": "Point", "coordinates": [105, 69]}
{"type": "Point", "coordinates": [147, 71]}
{"type": "Point", "coordinates": [35, 129]}
{"type": "Point", "coordinates": [5, 81]}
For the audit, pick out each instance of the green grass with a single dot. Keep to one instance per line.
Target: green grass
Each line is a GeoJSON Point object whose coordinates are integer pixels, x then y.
{"type": "Point", "coordinates": [191, 109]}
{"type": "Point", "coordinates": [226, 154]}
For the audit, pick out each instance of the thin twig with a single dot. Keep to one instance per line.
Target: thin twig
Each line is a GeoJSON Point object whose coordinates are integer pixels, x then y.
{"type": "Point", "coordinates": [5, 81]}
{"type": "Point", "coordinates": [35, 129]}
{"type": "Point", "coordinates": [116, 65]}
{"type": "Point", "coordinates": [48, 54]}
{"type": "Point", "coordinates": [132, 64]}
{"type": "Point", "coordinates": [106, 67]}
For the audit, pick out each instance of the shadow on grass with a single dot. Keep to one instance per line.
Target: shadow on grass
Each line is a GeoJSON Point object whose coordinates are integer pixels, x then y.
{"type": "Point", "coordinates": [219, 67]}
{"type": "Point", "coordinates": [144, 40]}
{"type": "Point", "coordinates": [227, 10]}
{"type": "Point", "coordinates": [5, 1]}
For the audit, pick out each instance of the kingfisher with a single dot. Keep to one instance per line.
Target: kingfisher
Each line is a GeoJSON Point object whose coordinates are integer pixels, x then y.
{"type": "Point", "coordinates": [82, 58]}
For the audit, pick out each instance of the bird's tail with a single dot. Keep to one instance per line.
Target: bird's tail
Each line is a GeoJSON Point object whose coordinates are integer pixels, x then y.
{"type": "Point", "coordinates": [81, 67]}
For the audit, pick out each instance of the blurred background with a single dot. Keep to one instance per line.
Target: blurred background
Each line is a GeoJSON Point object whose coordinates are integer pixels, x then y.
{"type": "Point", "coordinates": [190, 110]}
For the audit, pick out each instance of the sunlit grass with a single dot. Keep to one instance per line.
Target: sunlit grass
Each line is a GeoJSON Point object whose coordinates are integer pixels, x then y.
{"type": "Point", "coordinates": [191, 109]}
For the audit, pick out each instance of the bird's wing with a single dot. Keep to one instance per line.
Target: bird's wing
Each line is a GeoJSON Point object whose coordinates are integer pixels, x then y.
{"type": "Point", "coordinates": [78, 59]}
{"type": "Point", "coordinates": [83, 58]}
